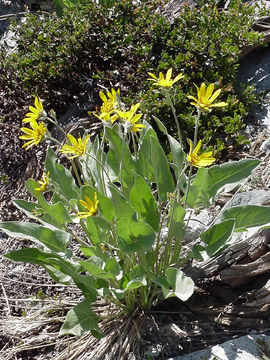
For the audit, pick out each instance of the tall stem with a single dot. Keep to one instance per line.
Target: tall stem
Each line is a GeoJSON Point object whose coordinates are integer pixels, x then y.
{"type": "Point", "coordinates": [194, 145]}
{"type": "Point", "coordinates": [196, 129]}
{"type": "Point", "coordinates": [169, 100]}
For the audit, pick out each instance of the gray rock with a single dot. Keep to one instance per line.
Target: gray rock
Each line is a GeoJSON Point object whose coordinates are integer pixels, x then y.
{"type": "Point", "coordinates": [243, 348]}
{"type": "Point", "coordinates": [197, 225]}
{"type": "Point", "coordinates": [255, 70]}
{"type": "Point", "coordinates": [9, 7]}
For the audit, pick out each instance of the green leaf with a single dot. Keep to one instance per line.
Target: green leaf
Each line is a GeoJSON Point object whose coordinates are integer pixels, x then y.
{"type": "Point", "coordinates": [57, 275]}
{"type": "Point", "coordinates": [105, 205]}
{"type": "Point", "coordinates": [161, 126]}
{"type": "Point", "coordinates": [207, 182]}
{"type": "Point", "coordinates": [178, 155]}
{"type": "Point", "coordinates": [122, 207]}
{"type": "Point", "coordinates": [144, 166]}
{"type": "Point", "coordinates": [163, 176]}
{"type": "Point", "coordinates": [136, 283]}
{"type": "Point", "coordinates": [113, 267]}
{"type": "Point", "coordinates": [85, 283]}
{"type": "Point", "coordinates": [134, 236]}
{"type": "Point", "coordinates": [176, 223]}
{"type": "Point", "coordinates": [60, 177]}
{"type": "Point", "coordinates": [119, 158]}
{"type": "Point", "coordinates": [182, 285]}
{"type": "Point", "coordinates": [248, 215]}
{"type": "Point", "coordinates": [195, 253]}
{"type": "Point", "coordinates": [30, 255]}
{"type": "Point", "coordinates": [38, 257]}
{"type": "Point", "coordinates": [144, 202]}
{"type": "Point", "coordinates": [31, 209]}
{"type": "Point", "coordinates": [217, 235]}
{"type": "Point", "coordinates": [54, 239]}
{"type": "Point", "coordinates": [80, 320]}
{"type": "Point", "coordinates": [94, 251]}
{"type": "Point", "coordinates": [56, 211]}
{"type": "Point", "coordinates": [98, 334]}
{"type": "Point", "coordinates": [96, 271]}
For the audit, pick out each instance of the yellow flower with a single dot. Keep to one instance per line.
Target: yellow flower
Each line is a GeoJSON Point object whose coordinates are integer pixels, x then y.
{"type": "Point", "coordinates": [130, 118]}
{"type": "Point", "coordinates": [44, 182]}
{"type": "Point", "coordinates": [205, 98]}
{"type": "Point", "coordinates": [202, 160]}
{"type": "Point", "coordinates": [110, 103]}
{"type": "Point", "coordinates": [107, 117]}
{"type": "Point", "coordinates": [77, 147]}
{"type": "Point", "coordinates": [165, 82]}
{"type": "Point", "coordinates": [34, 135]}
{"type": "Point", "coordinates": [92, 207]}
{"type": "Point", "coordinates": [36, 112]}
{"type": "Point", "coordinates": [108, 107]}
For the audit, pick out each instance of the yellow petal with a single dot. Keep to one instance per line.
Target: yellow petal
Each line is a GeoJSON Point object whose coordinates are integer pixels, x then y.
{"type": "Point", "coordinates": [103, 96]}
{"type": "Point", "coordinates": [202, 90]}
{"type": "Point", "coordinates": [221, 104]}
{"type": "Point", "coordinates": [152, 76]}
{"type": "Point", "coordinates": [215, 95]}
{"type": "Point", "coordinates": [209, 91]}
{"type": "Point", "coordinates": [72, 139]}
{"type": "Point", "coordinates": [197, 148]}
{"type": "Point", "coordinates": [169, 74]}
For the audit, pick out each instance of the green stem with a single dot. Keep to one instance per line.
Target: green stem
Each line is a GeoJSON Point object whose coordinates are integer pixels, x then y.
{"type": "Point", "coordinates": [80, 241]}
{"type": "Point", "coordinates": [121, 161]}
{"type": "Point", "coordinates": [188, 185]}
{"type": "Point", "coordinates": [196, 129]}
{"type": "Point", "coordinates": [168, 98]}
{"type": "Point", "coordinates": [194, 145]}
{"type": "Point", "coordinates": [101, 161]}
{"type": "Point", "coordinates": [76, 172]}
{"type": "Point", "coordinates": [103, 168]}
{"type": "Point", "coordinates": [134, 145]}
{"type": "Point", "coordinates": [55, 123]}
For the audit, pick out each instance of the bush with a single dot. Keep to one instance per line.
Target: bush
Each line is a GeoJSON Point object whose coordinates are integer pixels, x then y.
{"type": "Point", "coordinates": [63, 58]}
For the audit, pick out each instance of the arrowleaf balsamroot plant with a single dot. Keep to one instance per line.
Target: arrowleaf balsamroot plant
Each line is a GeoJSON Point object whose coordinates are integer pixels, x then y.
{"type": "Point", "coordinates": [130, 202]}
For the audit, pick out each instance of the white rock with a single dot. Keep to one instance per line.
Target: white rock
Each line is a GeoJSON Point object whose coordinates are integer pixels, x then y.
{"type": "Point", "coordinates": [243, 348]}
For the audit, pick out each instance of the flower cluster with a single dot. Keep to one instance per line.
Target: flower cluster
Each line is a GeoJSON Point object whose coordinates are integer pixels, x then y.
{"type": "Point", "coordinates": [164, 81]}
{"type": "Point", "coordinates": [34, 135]}
{"type": "Point", "coordinates": [202, 160]}
{"type": "Point", "coordinates": [111, 110]}
{"type": "Point", "coordinates": [91, 207]}
{"type": "Point", "coordinates": [205, 98]}
{"type": "Point", "coordinates": [43, 183]}
{"type": "Point", "coordinates": [109, 106]}
{"type": "Point", "coordinates": [77, 147]}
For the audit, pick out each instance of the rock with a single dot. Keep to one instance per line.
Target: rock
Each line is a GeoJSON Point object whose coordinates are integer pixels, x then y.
{"type": "Point", "coordinates": [197, 225]}
{"type": "Point", "coordinates": [9, 7]}
{"type": "Point", "coordinates": [254, 70]}
{"type": "Point", "coordinates": [243, 348]}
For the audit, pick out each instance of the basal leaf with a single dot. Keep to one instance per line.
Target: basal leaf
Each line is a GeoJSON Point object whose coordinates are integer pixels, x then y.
{"type": "Point", "coordinates": [80, 320]}
{"type": "Point", "coordinates": [182, 285]}
{"type": "Point", "coordinates": [61, 178]}
{"type": "Point", "coordinates": [144, 202]}
{"type": "Point", "coordinates": [248, 215]}
{"type": "Point", "coordinates": [54, 239]}
{"type": "Point", "coordinates": [163, 176]}
{"type": "Point", "coordinates": [217, 235]}
{"type": "Point", "coordinates": [208, 181]}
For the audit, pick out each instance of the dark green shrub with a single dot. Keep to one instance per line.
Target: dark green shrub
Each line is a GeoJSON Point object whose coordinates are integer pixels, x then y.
{"type": "Point", "coordinates": [60, 59]}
